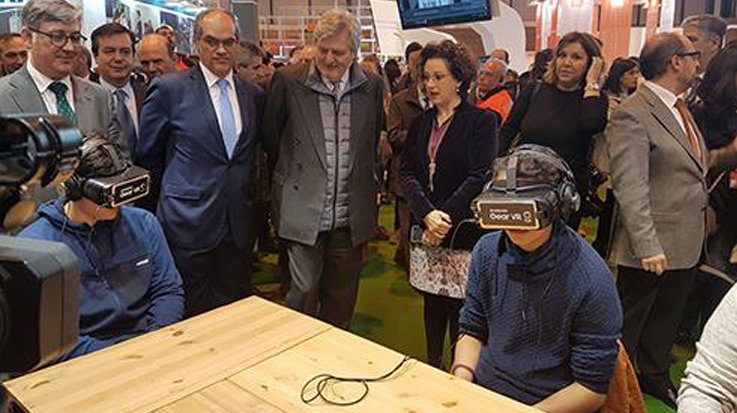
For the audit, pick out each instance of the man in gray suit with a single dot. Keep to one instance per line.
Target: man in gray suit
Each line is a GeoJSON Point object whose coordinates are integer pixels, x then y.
{"type": "Point", "coordinates": [322, 123]}
{"type": "Point", "coordinates": [658, 166]}
{"type": "Point", "coordinates": [51, 31]}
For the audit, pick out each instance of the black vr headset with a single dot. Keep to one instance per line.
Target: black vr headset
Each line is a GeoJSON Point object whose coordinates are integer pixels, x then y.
{"type": "Point", "coordinates": [126, 184]}
{"type": "Point", "coordinates": [519, 205]}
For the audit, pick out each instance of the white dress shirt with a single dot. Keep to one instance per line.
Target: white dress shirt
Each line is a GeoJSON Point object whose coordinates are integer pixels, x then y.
{"type": "Point", "coordinates": [130, 102]}
{"type": "Point", "coordinates": [42, 84]}
{"type": "Point", "coordinates": [669, 99]}
{"type": "Point", "coordinates": [212, 86]}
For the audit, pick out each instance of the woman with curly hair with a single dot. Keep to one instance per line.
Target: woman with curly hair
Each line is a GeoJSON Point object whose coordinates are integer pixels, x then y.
{"type": "Point", "coordinates": [450, 149]}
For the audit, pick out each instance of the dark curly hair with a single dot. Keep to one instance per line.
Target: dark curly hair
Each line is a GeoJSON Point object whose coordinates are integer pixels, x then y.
{"type": "Point", "coordinates": [620, 66]}
{"type": "Point", "coordinates": [458, 60]}
{"type": "Point", "coordinates": [717, 90]}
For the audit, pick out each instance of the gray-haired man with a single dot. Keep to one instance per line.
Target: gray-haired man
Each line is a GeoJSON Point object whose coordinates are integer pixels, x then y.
{"type": "Point", "coordinates": [706, 32]}
{"type": "Point", "coordinates": [322, 125]}
{"type": "Point", "coordinates": [51, 31]}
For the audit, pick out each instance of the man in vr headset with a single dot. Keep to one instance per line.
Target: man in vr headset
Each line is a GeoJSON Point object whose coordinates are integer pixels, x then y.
{"type": "Point", "coordinates": [541, 317]}
{"type": "Point", "coordinates": [129, 285]}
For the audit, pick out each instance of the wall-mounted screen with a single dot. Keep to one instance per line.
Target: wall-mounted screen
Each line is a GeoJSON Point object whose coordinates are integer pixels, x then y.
{"type": "Point", "coordinates": [425, 13]}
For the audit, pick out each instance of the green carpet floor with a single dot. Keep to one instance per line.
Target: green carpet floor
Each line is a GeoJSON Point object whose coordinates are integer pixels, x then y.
{"type": "Point", "coordinates": [389, 311]}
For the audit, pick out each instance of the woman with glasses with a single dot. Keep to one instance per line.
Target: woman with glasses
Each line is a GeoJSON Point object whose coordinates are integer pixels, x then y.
{"type": "Point", "coordinates": [565, 110]}
{"type": "Point", "coordinates": [450, 149]}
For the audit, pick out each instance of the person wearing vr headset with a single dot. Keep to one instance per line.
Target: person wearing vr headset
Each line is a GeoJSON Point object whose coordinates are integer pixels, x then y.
{"type": "Point", "coordinates": [129, 284]}
{"type": "Point", "coordinates": [541, 317]}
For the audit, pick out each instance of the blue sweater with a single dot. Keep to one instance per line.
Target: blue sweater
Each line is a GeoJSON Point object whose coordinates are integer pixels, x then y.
{"type": "Point", "coordinates": [545, 319]}
{"type": "Point", "coordinates": [129, 284]}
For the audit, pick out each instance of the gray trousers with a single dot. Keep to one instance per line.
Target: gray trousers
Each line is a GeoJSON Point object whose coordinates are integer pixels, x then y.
{"type": "Point", "coordinates": [325, 277]}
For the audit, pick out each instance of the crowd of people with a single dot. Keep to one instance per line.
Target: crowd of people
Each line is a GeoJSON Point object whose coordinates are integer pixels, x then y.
{"type": "Point", "coordinates": [244, 154]}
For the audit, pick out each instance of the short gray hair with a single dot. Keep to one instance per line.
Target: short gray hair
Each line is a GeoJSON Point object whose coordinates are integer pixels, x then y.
{"type": "Point", "coordinates": [37, 12]}
{"type": "Point", "coordinates": [197, 27]}
{"type": "Point", "coordinates": [711, 25]}
{"type": "Point", "coordinates": [502, 64]}
{"type": "Point", "coordinates": [335, 21]}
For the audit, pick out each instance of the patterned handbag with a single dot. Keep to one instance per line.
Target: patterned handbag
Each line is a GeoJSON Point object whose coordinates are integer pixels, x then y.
{"type": "Point", "coordinates": [440, 271]}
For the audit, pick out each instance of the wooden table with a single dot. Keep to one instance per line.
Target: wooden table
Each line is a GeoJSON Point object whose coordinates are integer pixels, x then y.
{"type": "Point", "coordinates": [250, 356]}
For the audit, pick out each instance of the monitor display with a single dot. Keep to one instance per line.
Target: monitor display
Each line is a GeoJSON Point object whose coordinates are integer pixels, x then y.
{"type": "Point", "coordinates": [424, 13]}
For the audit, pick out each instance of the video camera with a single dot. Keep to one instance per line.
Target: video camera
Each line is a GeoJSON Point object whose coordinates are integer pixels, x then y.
{"type": "Point", "coordinates": [39, 280]}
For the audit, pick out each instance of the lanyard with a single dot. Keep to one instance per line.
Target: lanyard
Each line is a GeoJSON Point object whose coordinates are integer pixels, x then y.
{"type": "Point", "coordinates": [436, 138]}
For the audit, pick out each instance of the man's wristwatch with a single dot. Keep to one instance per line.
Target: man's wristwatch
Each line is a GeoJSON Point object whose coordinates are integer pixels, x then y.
{"type": "Point", "coordinates": [593, 86]}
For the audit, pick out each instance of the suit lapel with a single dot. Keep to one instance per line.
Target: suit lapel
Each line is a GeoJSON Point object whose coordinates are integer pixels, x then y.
{"type": "Point", "coordinates": [665, 117]}
{"type": "Point", "coordinates": [25, 94]}
{"type": "Point", "coordinates": [361, 106]}
{"type": "Point", "coordinates": [83, 104]}
{"type": "Point", "coordinates": [247, 112]}
{"type": "Point", "coordinates": [199, 84]}
{"type": "Point", "coordinates": [313, 119]}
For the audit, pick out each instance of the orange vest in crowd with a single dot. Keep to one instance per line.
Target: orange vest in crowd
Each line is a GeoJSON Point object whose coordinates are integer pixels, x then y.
{"type": "Point", "coordinates": [500, 102]}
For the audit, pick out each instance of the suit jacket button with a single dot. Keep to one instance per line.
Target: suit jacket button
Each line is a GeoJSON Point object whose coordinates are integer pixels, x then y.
{"type": "Point", "coordinates": [295, 187]}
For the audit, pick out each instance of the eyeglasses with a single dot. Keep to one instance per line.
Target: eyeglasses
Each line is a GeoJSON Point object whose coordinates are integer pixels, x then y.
{"type": "Point", "coordinates": [695, 54]}
{"type": "Point", "coordinates": [60, 39]}
{"type": "Point", "coordinates": [215, 44]}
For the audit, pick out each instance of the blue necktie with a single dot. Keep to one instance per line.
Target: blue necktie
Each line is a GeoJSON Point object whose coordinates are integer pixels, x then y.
{"type": "Point", "coordinates": [125, 119]}
{"type": "Point", "coordinates": [227, 128]}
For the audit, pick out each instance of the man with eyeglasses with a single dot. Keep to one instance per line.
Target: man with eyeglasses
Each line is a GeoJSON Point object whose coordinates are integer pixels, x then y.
{"type": "Point", "coordinates": [706, 32]}
{"type": "Point", "coordinates": [51, 31]}
{"type": "Point", "coordinates": [13, 53]}
{"type": "Point", "coordinates": [198, 132]}
{"type": "Point", "coordinates": [112, 47]}
{"type": "Point", "coordinates": [658, 167]}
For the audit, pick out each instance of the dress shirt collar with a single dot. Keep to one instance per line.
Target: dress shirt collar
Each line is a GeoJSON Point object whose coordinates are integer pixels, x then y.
{"type": "Point", "coordinates": [211, 79]}
{"type": "Point", "coordinates": [42, 81]}
{"type": "Point", "coordinates": [343, 80]}
{"type": "Point", "coordinates": [668, 97]}
{"type": "Point", "coordinates": [111, 88]}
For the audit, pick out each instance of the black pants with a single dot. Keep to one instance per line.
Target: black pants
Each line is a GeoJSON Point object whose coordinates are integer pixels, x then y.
{"type": "Point", "coordinates": [706, 294]}
{"type": "Point", "coordinates": [441, 313]}
{"type": "Point", "coordinates": [653, 306]}
{"type": "Point", "coordinates": [215, 277]}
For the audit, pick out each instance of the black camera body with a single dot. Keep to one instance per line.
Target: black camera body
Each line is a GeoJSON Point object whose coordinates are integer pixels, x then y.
{"type": "Point", "coordinates": [39, 280]}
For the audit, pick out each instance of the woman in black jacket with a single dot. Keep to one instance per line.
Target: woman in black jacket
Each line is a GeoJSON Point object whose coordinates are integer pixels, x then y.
{"type": "Point", "coordinates": [450, 149]}
{"type": "Point", "coordinates": [565, 110]}
{"type": "Point", "coordinates": [716, 116]}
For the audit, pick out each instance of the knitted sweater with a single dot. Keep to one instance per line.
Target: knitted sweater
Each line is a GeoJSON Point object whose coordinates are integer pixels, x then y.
{"type": "Point", "coordinates": [710, 384]}
{"type": "Point", "coordinates": [546, 319]}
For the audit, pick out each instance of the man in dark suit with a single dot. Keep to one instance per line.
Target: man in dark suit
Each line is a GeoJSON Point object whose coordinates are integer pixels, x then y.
{"type": "Point", "coordinates": [658, 169]}
{"type": "Point", "coordinates": [112, 47]}
{"type": "Point", "coordinates": [51, 31]}
{"type": "Point", "coordinates": [322, 127]}
{"type": "Point", "coordinates": [156, 55]}
{"type": "Point", "coordinates": [198, 130]}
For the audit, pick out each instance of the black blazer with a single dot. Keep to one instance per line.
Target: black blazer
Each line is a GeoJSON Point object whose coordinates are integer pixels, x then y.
{"type": "Point", "coordinates": [463, 163]}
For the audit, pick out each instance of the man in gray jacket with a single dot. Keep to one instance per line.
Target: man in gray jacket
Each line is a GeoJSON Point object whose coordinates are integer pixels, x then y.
{"type": "Point", "coordinates": [51, 31]}
{"type": "Point", "coordinates": [321, 125]}
{"type": "Point", "coordinates": [658, 168]}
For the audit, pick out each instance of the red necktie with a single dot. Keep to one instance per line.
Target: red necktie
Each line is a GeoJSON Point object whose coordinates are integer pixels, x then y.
{"type": "Point", "coordinates": [692, 137]}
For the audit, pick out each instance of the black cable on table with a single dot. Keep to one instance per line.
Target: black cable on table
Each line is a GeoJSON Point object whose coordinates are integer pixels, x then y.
{"type": "Point", "coordinates": [323, 380]}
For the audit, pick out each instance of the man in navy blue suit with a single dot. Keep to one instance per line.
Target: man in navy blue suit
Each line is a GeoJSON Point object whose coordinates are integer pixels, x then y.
{"type": "Point", "coordinates": [198, 133]}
